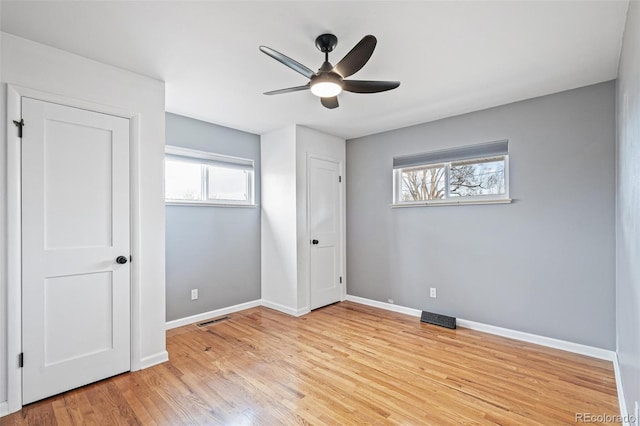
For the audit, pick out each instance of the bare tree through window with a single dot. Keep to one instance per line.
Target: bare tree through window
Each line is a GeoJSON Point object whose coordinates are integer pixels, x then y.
{"type": "Point", "coordinates": [458, 179]}
{"type": "Point", "coordinates": [477, 177]}
{"type": "Point", "coordinates": [426, 183]}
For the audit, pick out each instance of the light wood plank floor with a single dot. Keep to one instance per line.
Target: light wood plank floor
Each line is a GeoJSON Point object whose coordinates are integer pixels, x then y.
{"type": "Point", "coordinates": [342, 364]}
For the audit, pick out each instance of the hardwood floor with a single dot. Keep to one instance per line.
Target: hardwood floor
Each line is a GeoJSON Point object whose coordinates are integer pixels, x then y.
{"type": "Point", "coordinates": [342, 364]}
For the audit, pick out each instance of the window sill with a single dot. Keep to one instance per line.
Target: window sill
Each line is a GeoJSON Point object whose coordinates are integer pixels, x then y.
{"type": "Point", "coordinates": [203, 204]}
{"type": "Point", "coordinates": [452, 203]}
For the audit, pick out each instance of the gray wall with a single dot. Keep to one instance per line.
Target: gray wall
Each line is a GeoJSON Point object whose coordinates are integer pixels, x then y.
{"type": "Point", "coordinates": [628, 210]}
{"type": "Point", "coordinates": [543, 264]}
{"type": "Point", "coordinates": [213, 249]}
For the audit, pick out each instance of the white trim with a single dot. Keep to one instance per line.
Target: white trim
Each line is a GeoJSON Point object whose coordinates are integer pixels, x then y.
{"type": "Point", "coordinates": [307, 224]}
{"type": "Point", "coordinates": [285, 309]}
{"type": "Point", "coordinates": [14, 250]}
{"type": "Point", "coordinates": [550, 342]}
{"type": "Point", "coordinates": [624, 413]}
{"type": "Point", "coordinates": [14, 232]}
{"type": "Point", "coordinates": [4, 409]}
{"type": "Point", "coordinates": [151, 360]}
{"type": "Point", "coordinates": [384, 305]}
{"type": "Point", "coordinates": [135, 219]}
{"type": "Point", "coordinates": [207, 204]}
{"type": "Point", "coordinates": [212, 314]}
{"type": "Point", "coordinates": [451, 203]}
{"type": "Point", "coordinates": [71, 102]}
{"type": "Point", "coordinates": [343, 231]}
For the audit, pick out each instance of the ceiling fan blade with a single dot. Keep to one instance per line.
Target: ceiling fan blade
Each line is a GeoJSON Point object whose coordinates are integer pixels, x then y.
{"type": "Point", "coordinates": [284, 59]}
{"type": "Point", "coordinates": [288, 90]}
{"type": "Point", "coordinates": [367, 86]}
{"type": "Point", "coordinates": [330, 103]}
{"type": "Point", "coordinates": [357, 57]}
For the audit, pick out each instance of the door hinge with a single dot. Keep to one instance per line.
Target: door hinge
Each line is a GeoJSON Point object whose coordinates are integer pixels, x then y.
{"type": "Point", "coordinates": [339, 177]}
{"type": "Point", "coordinates": [21, 360]}
{"type": "Point", "coordinates": [19, 125]}
{"type": "Point", "coordinates": [340, 280]}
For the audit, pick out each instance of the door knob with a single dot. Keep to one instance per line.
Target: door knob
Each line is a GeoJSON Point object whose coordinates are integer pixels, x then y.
{"type": "Point", "coordinates": [314, 242]}
{"type": "Point", "coordinates": [121, 260]}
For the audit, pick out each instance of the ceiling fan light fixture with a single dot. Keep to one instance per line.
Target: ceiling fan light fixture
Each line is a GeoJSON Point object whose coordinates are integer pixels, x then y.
{"type": "Point", "coordinates": [326, 89]}
{"type": "Point", "coordinates": [329, 81]}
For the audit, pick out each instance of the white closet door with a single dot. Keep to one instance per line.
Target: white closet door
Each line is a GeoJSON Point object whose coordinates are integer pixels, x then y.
{"type": "Point", "coordinates": [75, 222]}
{"type": "Point", "coordinates": [324, 228]}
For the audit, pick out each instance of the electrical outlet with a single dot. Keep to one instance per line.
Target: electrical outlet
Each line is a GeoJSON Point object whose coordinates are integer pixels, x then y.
{"type": "Point", "coordinates": [194, 294]}
{"type": "Point", "coordinates": [390, 301]}
{"type": "Point", "coordinates": [432, 292]}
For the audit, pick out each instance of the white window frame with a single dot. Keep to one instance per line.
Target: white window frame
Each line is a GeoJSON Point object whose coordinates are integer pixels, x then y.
{"type": "Point", "coordinates": [209, 158]}
{"type": "Point", "coordinates": [449, 200]}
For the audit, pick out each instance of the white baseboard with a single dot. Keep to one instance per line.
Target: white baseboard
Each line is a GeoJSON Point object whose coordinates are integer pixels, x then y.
{"type": "Point", "coordinates": [235, 308]}
{"type": "Point", "coordinates": [383, 305]}
{"type": "Point", "coordinates": [212, 314]}
{"type": "Point", "coordinates": [285, 309]}
{"type": "Point", "coordinates": [155, 359]}
{"type": "Point", "coordinates": [550, 342]}
{"type": "Point", "coordinates": [624, 413]}
{"type": "Point", "coordinates": [499, 331]}
{"type": "Point", "coordinates": [303, 311]}
{"type": "Point", "coordinates": [4, 408]}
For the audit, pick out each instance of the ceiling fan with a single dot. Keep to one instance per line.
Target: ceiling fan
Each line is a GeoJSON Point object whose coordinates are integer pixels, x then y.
{"type": "Point", "coordinates": [329, 81]}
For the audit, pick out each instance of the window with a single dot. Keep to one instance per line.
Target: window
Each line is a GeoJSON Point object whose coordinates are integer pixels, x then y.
{"type": "Point", "coordinates": [202, 178]}
{"type": "Point", "coordinates": [467, 175]}
{"type": "Point", "coordinates": [483, 176]}
{"type": "Point", "coordinates": [423, 183]}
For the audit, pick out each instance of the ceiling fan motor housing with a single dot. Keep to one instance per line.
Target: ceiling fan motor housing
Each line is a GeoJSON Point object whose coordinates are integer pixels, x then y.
{"type": "Point", "coordinates": [326, 42]}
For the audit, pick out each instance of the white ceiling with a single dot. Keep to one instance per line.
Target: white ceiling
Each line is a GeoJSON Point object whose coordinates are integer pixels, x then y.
{"type": "Point", "coordinates": [452, 57]}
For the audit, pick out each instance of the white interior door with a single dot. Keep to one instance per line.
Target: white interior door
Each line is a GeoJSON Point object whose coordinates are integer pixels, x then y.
{"type": "Point", "coordinates": [325, 228]}
{"type": "Point", "coordinates": [75, 224]}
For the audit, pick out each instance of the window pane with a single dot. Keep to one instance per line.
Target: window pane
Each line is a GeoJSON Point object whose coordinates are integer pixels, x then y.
{"type": "Point", "coordinates": [422, 183]}
{"type": "Point", "coordinates": [477, 177]}
{"type": "Point", "coordinates": [228, 184]}
{"type": "Point", "coordinates": [182, 181]}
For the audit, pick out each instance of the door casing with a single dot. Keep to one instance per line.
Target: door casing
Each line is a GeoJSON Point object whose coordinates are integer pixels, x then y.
{"type": "Point", "coordinates": [14, 229]}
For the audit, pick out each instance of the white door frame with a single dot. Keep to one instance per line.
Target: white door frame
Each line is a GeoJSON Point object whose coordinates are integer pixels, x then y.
{"type": "Point", "coordinates": [343, 225]}
{"type": "Point", "coordinates": [14, 229]}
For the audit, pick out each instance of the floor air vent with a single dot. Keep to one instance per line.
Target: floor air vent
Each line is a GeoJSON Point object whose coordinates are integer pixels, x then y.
{"type": "Point", "coordinates": [213, 321]}
{"type": "Point", "coordinates": [437, 319]}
